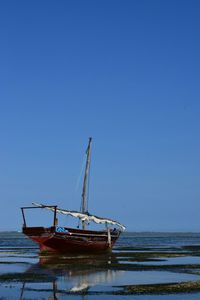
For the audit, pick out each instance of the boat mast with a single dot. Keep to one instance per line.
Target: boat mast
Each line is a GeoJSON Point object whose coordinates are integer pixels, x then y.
{"type": "Point", "coordinates": [84, 193]}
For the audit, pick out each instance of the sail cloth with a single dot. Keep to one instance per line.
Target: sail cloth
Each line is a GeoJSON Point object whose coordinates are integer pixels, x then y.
{"type": "Point", "coordinates": [81, 216]}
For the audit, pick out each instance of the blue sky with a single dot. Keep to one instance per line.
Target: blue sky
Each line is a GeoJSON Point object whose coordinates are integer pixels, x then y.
{"type": "Point", "coordinates": [125, 73]}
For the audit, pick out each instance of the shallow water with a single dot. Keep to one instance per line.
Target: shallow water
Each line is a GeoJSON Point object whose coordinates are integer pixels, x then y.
{"type": "Point", "coordinates": [25, 275]}
{"type": "Point", "coordinates": [186, 260]}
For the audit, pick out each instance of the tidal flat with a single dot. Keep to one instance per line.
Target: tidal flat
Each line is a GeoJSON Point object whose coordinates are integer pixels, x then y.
{"type": "Point", "coordinates": [142, 266]}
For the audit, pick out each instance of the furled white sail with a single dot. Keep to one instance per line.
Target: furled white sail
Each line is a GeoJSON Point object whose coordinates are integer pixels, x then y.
{"type": "Point", "coordinates": [81, 216]}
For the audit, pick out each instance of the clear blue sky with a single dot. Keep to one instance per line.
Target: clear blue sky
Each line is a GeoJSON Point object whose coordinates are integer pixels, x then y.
{"type": "Point", "coordinates": [126, 73]}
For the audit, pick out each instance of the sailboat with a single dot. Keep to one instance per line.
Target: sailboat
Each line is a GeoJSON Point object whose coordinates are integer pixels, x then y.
{"type": "Point", "coordinates": [58, 239]}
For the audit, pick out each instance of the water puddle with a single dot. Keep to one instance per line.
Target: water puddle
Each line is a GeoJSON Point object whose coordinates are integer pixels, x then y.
{"type": "Point", "coordinates": [12, 268]}
{"type": "Point", "coordinates": [184, 260]}
{"type": "Point", "coordinates": [90, 282]}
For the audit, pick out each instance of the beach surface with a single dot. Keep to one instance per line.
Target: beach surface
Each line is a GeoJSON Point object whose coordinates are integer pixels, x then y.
{"type": "Point", "coordinates": [142, 266]}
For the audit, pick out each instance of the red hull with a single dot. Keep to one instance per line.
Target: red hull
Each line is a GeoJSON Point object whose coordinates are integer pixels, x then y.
{"type": "Point", "coordinates": [71, 240]}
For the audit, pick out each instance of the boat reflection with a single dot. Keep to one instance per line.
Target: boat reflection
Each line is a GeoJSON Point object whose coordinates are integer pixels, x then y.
{"type": "Point", "coordinates": [67, 275]}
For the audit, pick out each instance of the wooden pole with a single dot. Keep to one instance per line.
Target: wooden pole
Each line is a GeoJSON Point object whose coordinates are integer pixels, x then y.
{"type": "Point", "coordinates": [54, 218]}
{"type": "Point", "coordinates": [24, 220]}
{"type": "Point", "coordinates": [84, 193]}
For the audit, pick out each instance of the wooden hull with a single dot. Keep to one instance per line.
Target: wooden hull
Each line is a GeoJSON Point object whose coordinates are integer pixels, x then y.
{"type": "Point", "coordinates": [69, 240]}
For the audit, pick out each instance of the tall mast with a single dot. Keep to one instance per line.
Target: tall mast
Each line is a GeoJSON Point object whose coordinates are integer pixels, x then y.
{"type": "Point", "coordinates": [84, 193]}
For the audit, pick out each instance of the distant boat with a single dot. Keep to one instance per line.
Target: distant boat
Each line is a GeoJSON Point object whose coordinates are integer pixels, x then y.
{"type": "Point", "coordinates": [57, 239]}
